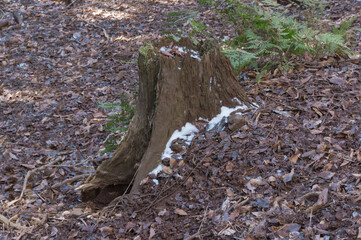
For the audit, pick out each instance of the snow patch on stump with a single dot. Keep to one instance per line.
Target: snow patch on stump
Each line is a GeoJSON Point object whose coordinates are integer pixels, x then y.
{"type": "Point", "coordinates": [188, 132]}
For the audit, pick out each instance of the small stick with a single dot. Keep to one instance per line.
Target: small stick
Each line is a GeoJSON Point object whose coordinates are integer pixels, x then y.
{"type": "Point", "coordinates": [70, 180]}
{"type": "Point", "coordinates": [204, 217]}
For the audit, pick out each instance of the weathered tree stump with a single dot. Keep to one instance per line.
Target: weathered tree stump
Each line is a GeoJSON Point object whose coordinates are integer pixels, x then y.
{"type": "Point", "coordinates": [176, 85]}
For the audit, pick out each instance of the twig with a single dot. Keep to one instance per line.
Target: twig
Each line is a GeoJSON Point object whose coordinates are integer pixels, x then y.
{"type": "Point", "coordinates": [69, 5]}
{"type": "Point", "coordinates": [70, 180]}
{"type": "Point", "coordinates": [68, 166]}
{"type": "Point", "coordinates": [198, 233]}
{"type": "Point", "coordinates": [204, 217]}
{"type": "Point", "coordinates": [269, 133]}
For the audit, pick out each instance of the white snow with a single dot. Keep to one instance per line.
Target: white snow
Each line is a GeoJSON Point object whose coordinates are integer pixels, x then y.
{"type": "Point", "coordinates": [237, 100]}
{"type": "Point", "coordinates": [225, 112]}
{"type": "Point", "coordinates": [183, 50]}
{"type": "Point", "coordinates": [187, 133]}
{"type": "Point", "coordinates": [195, 55]}
{"type": "Point", "coordinates": [203, 119]}
{"type": "Point", "coordinates": [157, 170]}
{"type": "Point", "coordinates": [164, 49]}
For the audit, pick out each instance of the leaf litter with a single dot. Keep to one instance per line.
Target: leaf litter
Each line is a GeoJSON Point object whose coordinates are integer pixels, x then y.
{"type": "Point", "coordinates": [290, 170]}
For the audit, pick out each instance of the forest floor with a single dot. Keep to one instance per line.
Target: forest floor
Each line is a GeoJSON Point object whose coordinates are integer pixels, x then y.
{"type": "Point", "coordinates": [292, 171]}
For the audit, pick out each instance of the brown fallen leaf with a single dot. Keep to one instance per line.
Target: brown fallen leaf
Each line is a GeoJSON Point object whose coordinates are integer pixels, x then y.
{"type": "Point", "coordinates": [326, 175]}
{"type": "Point", "coordinates": [288, 177]}
{"type": "Point", "coordinates": [315, 131]}
{"type": "Point", "coordinates": [151, 233]}
{"type": "Point", "coordinates": [322, 200]}
{"type": "Point", "coordinates": [229, 192]}
{"type": "Point", "coordinates": [28, 166]}
{"type": "Point", "coordinates": [13, 156]}
{"type": "Point", "coordinates": [167, 170]}
{"type": "Point", "coordinates": [106, 231]}
{"type": "Point", "coordinates": [337, 80]}
{"type": "Point", "coordinates": [180, 212]}
{"type": "Point", "coordinates": [165, 53]}
{"type": "Point", "coordinates": [229, 167]}
{"type": "Point", "coordinates": [172, 162]}
{"type": "Point", "coordinates": [293, 159]}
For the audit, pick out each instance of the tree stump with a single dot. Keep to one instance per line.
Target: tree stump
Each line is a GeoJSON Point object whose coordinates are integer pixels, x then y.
{"type": "Point", "coordinates": [177, 84]}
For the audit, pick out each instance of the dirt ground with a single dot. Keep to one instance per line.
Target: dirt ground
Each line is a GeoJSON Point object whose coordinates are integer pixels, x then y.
{"type": "Point", "coordinates": [291, 171]}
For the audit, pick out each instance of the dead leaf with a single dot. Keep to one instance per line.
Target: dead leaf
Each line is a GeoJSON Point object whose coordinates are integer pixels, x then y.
{"type": "Point", "coordinates": [304, 80]}
{"type": "Point", "coordinates": [293, 159]}
{"type": "Point", "coordinates": [167, 170]}
{"type": "Point", "coordinates": [165, 53]}
{"type": "Point", "coordinates": [54, 231]}
{"type": "Point", "coordinates": [315, 131]}
{"type": "Point", "coordinates": [227, 232]}
{"type": "Point", "coordinates": [288, 177]}
{"type": "Point", "coordinates": [151, 233]}
{"type": "Point", "coordinates": [326, 175]}
{"type": "Point", "coordinates": [322, 200]}
{"type": "Point", "coordinates": [337, 80]}
{"type": "Point", "coordinates": [180, 212]}
{"type": "Point", "coordinates": [106, 231]}
{"type": "Point", "coordinates": [271, 179]}
{"type": "Point", "coordinates": [250, 187]}
{"type": "Point", "coordinates": [229, 167]}
{"type": "Point", "coordinates": [309, 153]}
{"type": "Point", "coordinates": [172, 162]}
{"type": "Point", "coordinates": [230, 193]}
{"type": "Point", "coordinates": [98, 115]}
{"type": "Point", "coordinates": [256, 181]}
{"type": "Point", "coordinates": [251, 170]}
{"type": "Point", "coordinates": [13, 156]}
{"type": "Point", "coordinates": [28, 166]}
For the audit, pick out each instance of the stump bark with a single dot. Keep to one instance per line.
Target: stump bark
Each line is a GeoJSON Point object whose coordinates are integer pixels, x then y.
{"type": "Point", "coordinates": [178, 83]}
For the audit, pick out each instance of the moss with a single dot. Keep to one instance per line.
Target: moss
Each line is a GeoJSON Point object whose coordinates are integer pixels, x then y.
{"type": "Point", "coordinates": [207, 46]}
{"type": "Point", "coordinates": [143, 50]}
{"type": "Point", "coordinates": [146, 52]}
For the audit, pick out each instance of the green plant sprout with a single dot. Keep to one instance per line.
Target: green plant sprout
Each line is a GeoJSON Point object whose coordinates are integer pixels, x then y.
{"type": "Point", "coordinates": [119, 122]}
